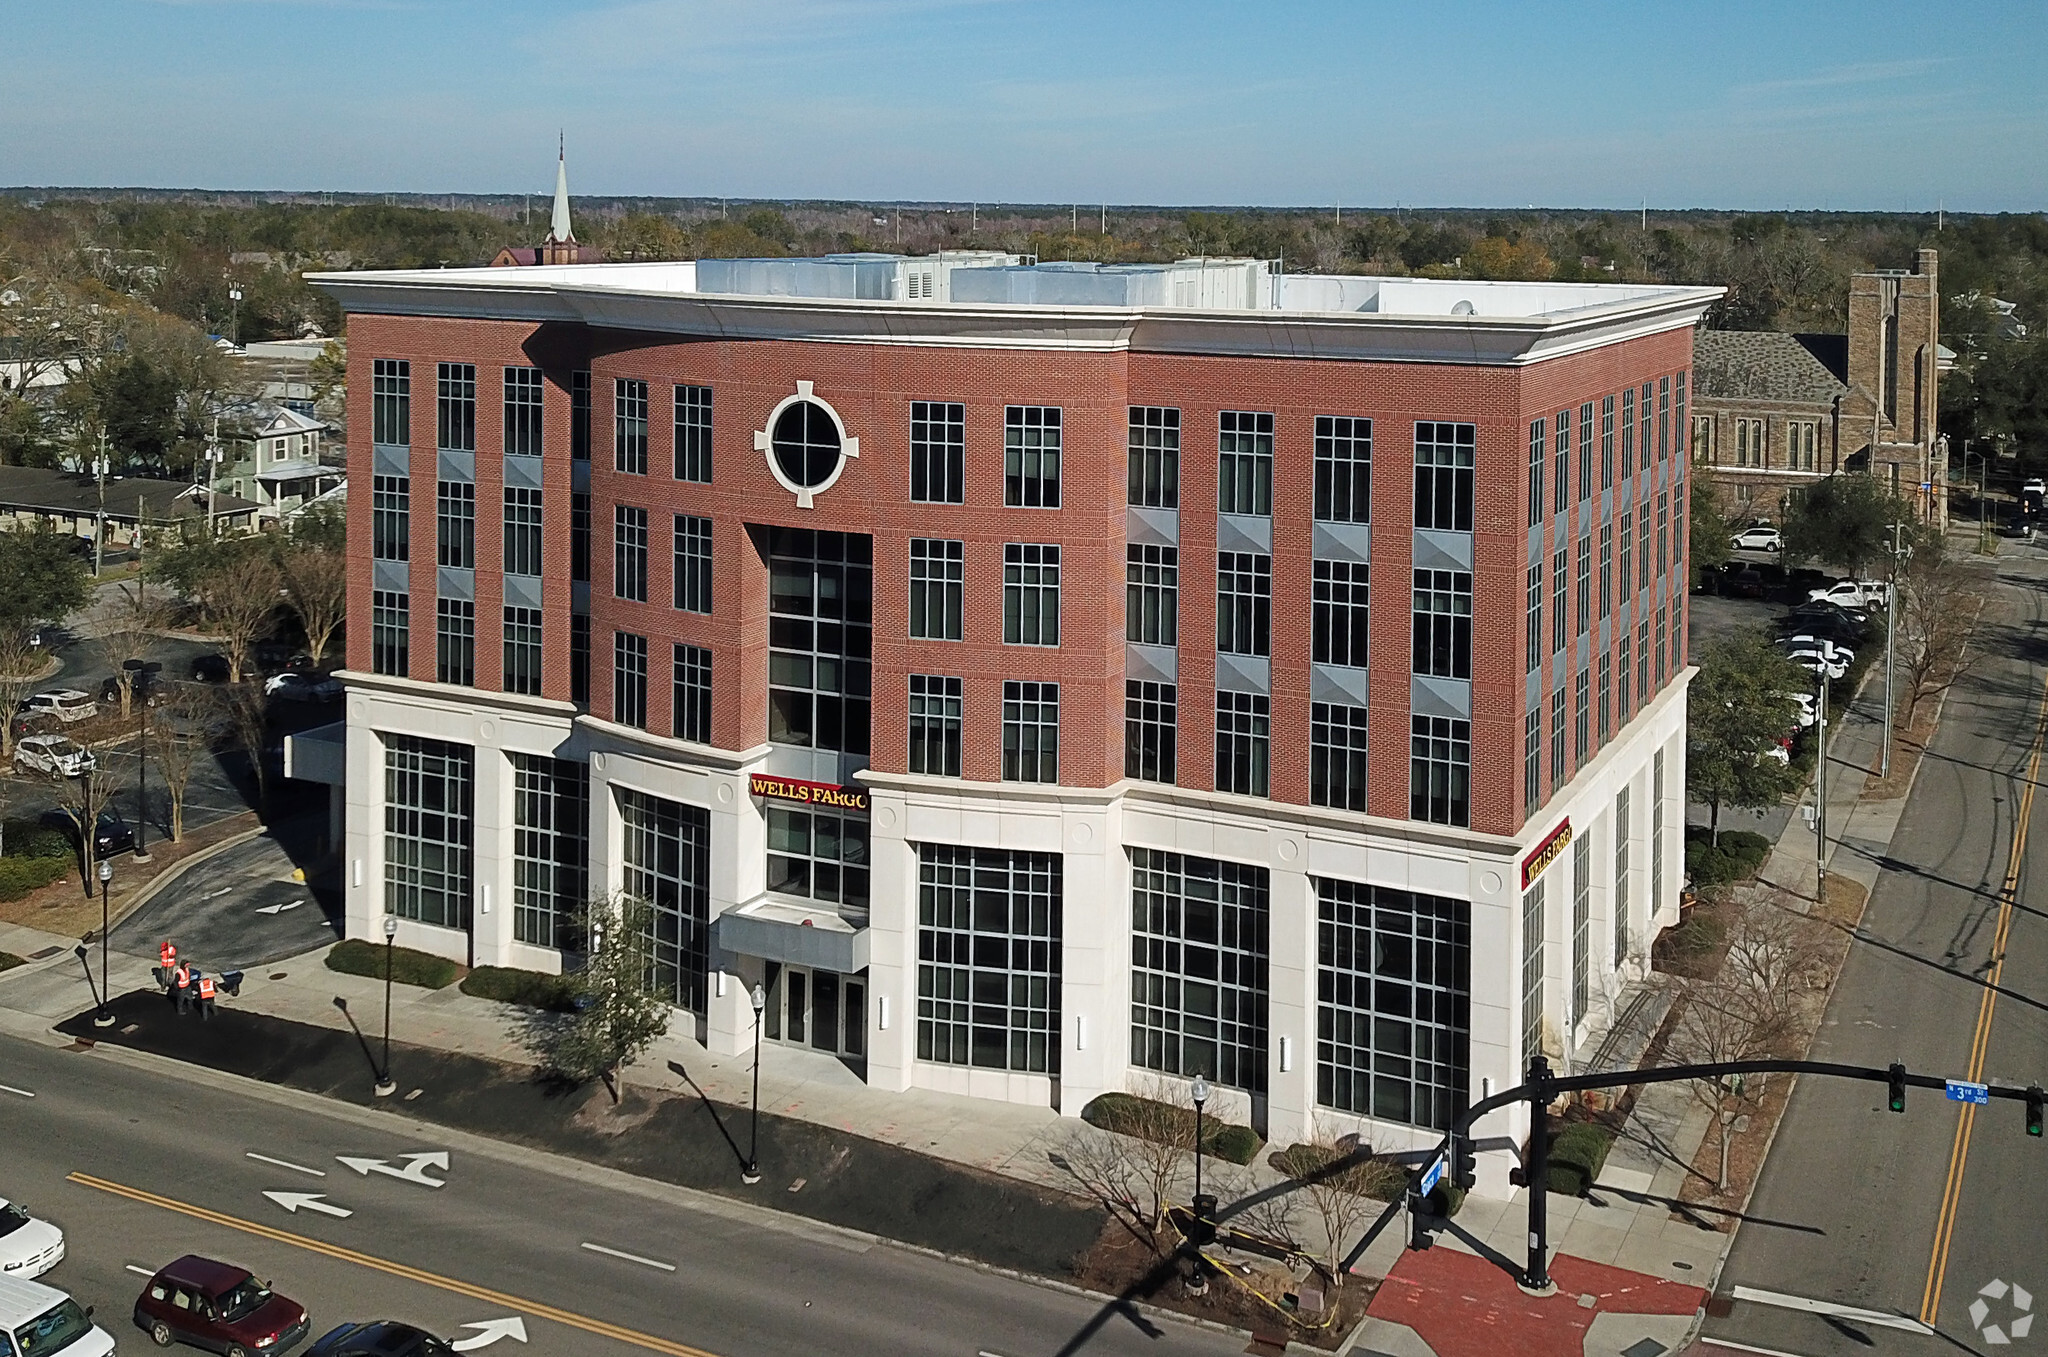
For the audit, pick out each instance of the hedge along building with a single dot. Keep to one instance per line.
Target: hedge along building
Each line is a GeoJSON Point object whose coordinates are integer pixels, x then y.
{"type": "Point", "coordinates": [978, 655]}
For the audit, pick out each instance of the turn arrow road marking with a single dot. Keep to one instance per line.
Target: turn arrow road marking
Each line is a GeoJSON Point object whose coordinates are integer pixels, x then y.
{"type": "Point", "coordinates": [312, 1201]}
{"type": "Point", "coordinates": [490, 1331]}
{"type": "Point", "coordinates": [415, 1170]}
{"type": "Point", "coordinates": [279, 909]}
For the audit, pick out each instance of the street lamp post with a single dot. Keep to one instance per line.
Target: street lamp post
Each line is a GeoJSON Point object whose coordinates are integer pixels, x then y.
{"type": "Point", "coordinates": [105, 1016]}
{"type": "Point", "coordinates": [140, 672]}
{"type": "Point", "coordinates": [385, 1087]}
{"type": "Point", "coordinates": [1205, 1208]}
{"type": "Point", "coordinates": [100, 467]}
{"type": "Point", "coordinates": [751, 1174]}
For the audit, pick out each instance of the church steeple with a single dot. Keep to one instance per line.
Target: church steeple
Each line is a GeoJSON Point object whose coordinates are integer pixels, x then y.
{"type": "Point", "coordinates": [559, 231]}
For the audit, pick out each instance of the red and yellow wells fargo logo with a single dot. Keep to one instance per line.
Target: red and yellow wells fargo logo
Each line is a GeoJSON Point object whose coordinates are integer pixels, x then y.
{"type": "Point", "coordinates": [1546, 853]}
{"type": "Point", "coordinates": [809, 793]}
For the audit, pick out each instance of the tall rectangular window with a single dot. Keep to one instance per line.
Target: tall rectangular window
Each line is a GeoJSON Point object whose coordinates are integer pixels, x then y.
{"type": "Point", "coordinates": [1532, 759]}
{"type": "Point", "coordinates": [1628, 431]}
{"type": "Point", "coordinates": [1393, 1022]}
{"type": "Point", "coordinates": [1607, 442]}
{"type": "Point", "coordinates": [390, 518]}
{"type": "Point", "coordinates": [938, 452]}
{"type": "Point", "coordinates": [455, 407]}
{"type": "Point", "coordinates": [1678, 632]}
{"type": "Point", "coordinates": [1621, 903]}
{"type": "Point", "coordinates": [1663, 532]}
{"type": "Point", "coordinates": [1199, 932]}
{"type": "Point", "coordinates": [1679, 425]}
{"type": "Point", "coordinates": [1563, 478]}
{"type": "Point", "coordinates": [579, 659]}
{"type": "Point", "coordinates": [1031, 594]}
{"type": "Point", "coordinates": [629, 553]}
{"type": "Point", "coordinates": [629, 679]}
{"type": "Point", "coordinates": [820, 639]}
{"type": "Point", "coordinates": [1605, 708]}
{"type": "Point", "coordinates": [1154, 448]}
{"type": "Point", "coordinates": [390, 632]}
{"type": "Point", "coordinates": [1339, 621]}
{"type": "Point", "coordinates": [1585, 580]}
{"type": "Point", "coordinates": [455, 642]}
{"type": "Point", "coordinates": [819, 856]}
{"type": "Point", "coordinates": [1443, 475]}
{"type": "Point", "coordinates": [1443, 623]}
{"type": "Point", "coordinates": [1560, 613]}
{"type": "Point", "coordinates": [693, 434]}
{"type": "Point", "coordinates": [1663, 418]}
{"type": "Point", "coordinates": [1624, 695]}
{"type": "Point", "coordinates": [1343, 469]}
{"type": "Point", "coordinates": [1031, 731]}
{"type": "Point", "coordinates": [935, 713]}
{"type": "Point", "coordinates": [938, 587]}
{"type": "Point", "coordinates": [1031, 456]}
{"type": "Point", "coordinates": [1336, 755]}
{"type": "Point", "coordinates": [1582, 927]}
{"type": "Point", "coordinates": [1244, 463]}
{"type": "Point", "coordinates": [1643, 659]}
{"type": "Point", "coordinates": [1606, 571]}
{"type": "Point", "coordinates": [579, 416]}
{"type": "Point", "coordinates": [1532, 969]}
{"type": "Point", "coordinates": [1643, 434]}
{"type": "Point", "coordinates": [522, 530]}
{"type": "Point", "coordinates": [428, 830]}
{"type": "Point", "coordinates": [391, 402]}
{"type": "Point", "coordinates": [1560, 751]}
{"type": "Point", "coordinates": [1152, 594]}
{"type": "Point", "coordinates": [1581, 716]}
{"type": "Point", "coordinates": [1703, 446]}
{"type": "Point", "coordinates": [1586, 451]}
{"type": "Point", "coordinates": [1440, 770]}
{"type": "Point", "coordinates": [1537, 459]}
{"type": "Point", "coordinates": [1656, 831]}
{"type": "Point", "coordinates": [1533, 635]}
{"type": "Point", "coordinates": [550, 849]}
{"type": "Point", "coordinates": [1150, 712]}
{"type": "Point", "coordinates": [667, 863]}
{"type": "Point", "coordinates": [522, 412]}
{"type": "Point", "coordinates": [1244, 603]}
{"type": "Point", "coordinates": [1243, 742]}
{"type": "Point", "coordinates": [1643, 548]}
{"type": "Point", "coordinates": [693, 563]}
{"type": "Point", "coordinates": [522, 651]}
{"type": "Point", "coordinates": [1627, 545]}
{"type": "Point", "coordinates": [579, 536]}
{"type": "Point", "coordinates": [455, 524]}
{"type": "Point", "coordinates": [1749, 443]}
{"type": "Point", "coordinates": [989, 950]}
{"type": "Point", "coordinates": [692, 696]}
{"type": "Point", "coordinates": [629, 426]}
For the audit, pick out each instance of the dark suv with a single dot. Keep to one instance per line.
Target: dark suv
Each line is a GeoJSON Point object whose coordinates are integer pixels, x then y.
{"type": "Point", "coordinates": [218, 1306]}
{"type": "Point", "coordinates": [379, 1338]}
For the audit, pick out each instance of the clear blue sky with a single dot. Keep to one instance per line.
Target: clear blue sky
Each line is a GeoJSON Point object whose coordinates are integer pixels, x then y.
{"type": "Point", "coordinates": [1759, 105]}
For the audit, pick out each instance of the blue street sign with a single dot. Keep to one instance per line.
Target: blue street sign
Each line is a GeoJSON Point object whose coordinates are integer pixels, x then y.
{"type": "Point", "coordinates": [1963, 1091]}
{"type": "Point", "coordinates": [1432, 1175]}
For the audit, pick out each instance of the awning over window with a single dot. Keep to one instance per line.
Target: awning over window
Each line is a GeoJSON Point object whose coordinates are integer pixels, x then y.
{"type": "Point", "coordinates": [795, 935]}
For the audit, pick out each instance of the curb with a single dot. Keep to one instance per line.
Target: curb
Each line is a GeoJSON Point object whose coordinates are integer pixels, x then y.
{"type": "Point", "coordinates": [185, 864]}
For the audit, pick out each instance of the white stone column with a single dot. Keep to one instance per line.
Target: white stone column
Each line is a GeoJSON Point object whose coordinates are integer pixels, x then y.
{"type": "Point", "coordinates": [491, 847]}
{"type": "Point", "coordinates": [1094, 1038]}
{"type": "Point", "coordinates": [738, 868]}
{"type": "Point", "coordinates": [892, 945]}
{"type": "Point", "coordinates": [363, 833]}
{"type": "Point", "coordinates": [1291, 993]}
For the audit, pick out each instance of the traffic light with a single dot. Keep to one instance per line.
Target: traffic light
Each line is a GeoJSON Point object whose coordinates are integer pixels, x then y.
{"type": "Point", "coordinates": [1465, 1164]}
{"type": "Point", "coordinates": [1896, 1077]}
{"type": "Point", "coordinates": [1422, 1221]}
{"type": "Point", "coordinates": [2034, 1105]}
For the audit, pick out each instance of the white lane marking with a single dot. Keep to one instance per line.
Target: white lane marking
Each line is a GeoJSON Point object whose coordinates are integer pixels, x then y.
{"type": "Point", "coordinates": [287, 1164]}
{"type": "Point", "coordinates": [1746, 1347]}
{"type": "Point", "coordinates": [490, 1331]}
{"type": "Point", "coordinates": [1830, 1309]}
{"type": "Point", "coordinates": [312, 1201]}
{"type": "Point", "coordinates": [415, 1170]}
{"type": "Point", "coordinates": [278, 909]}
{"type": "Point", "coordinates": [215, 895]}
{"type": "Point", "coordinates": [630, 1257]}
{"type": "Point", "coordinates": [139, 1271]}
{"type": "Point", "coordinates": [9, 1088]}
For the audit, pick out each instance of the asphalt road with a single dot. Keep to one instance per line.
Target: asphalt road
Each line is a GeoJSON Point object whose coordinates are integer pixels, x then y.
{"type": "Point", "coordinates": [239, 909]}
{"type": "Point", "coordinates": [141, 1163]}
{"type": "Point", "coordinates": [1917, 1217]}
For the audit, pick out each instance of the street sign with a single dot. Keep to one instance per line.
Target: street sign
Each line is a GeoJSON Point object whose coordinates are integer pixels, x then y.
{"type": "Point", "coordinates": [1963, 1091]}
{"type": "Point", "coordinates": [1431, 1176]}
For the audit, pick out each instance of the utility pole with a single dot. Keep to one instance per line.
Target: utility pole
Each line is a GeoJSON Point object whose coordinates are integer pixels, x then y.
{"type": "Point", "coordinates": [99, 529]}
{"type": "Point", "coordinates": [1900, 554]}
{"type": "Point", "coordinates": [1820, 787]}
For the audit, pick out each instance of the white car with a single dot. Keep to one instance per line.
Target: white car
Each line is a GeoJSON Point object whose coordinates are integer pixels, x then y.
{"type": "Point", "coordinates": [1805, 714]}
{"type": "Point", "coordinates": [66, 704]}
{"type": "Point", "coordinates": [1866, 594]}
{"type": "Point", "coordinates": [57, 755]}
{"type": "Point", "coordinates": [45, 1322]}
{"type": "Point", "coordinates": [1758, 539]}
{"type": "Point", "coordinates": [28, 1247]}
{"type": "Point", "coordinates": [303, 688]}
{"type": "Point", "coordinates": [2037, 486]}
{"type": "Point", "coordinates": [1814, 662]}
{"type": "Point", "coordinates": [1831, 649]}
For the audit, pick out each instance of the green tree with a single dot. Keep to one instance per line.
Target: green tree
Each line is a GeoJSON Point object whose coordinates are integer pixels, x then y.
{"type": "Point", "coordinates": [46, 577]}
{"type": "Point", "coordinates": [137, 404]}
{"type": "Point", "coordinates": [618, 1013]}
{"type": "Point", "coordinates": [1739, 707]}
{"type": "Point", "coordinates": [1844, 520]}
{"type": "Point", "coordinates": [1710, 533]}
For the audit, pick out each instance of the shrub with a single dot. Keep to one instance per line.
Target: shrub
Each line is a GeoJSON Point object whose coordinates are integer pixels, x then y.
{"type": "Point", "coordinates": [8, 961]}
{"type": "Point", "coordinates": [19, 876]}
{"type": "Point", "coordinates": [1577, 1154]}
{"type": "Point", "coordinates": [1739, 856]}
{"type": "Point", "coordinates": [33, 839]}
{"type": "Point", "coordinates": [1128, 1114]}
{"type": "Point", "coordinates": [1381, 1179]}
{"type": "Point", "coordinates": [360, 956]}
{"type": "Point", "coordinates": [533, 989]}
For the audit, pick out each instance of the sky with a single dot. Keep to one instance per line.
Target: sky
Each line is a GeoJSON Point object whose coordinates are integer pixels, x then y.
{"type": "Point", "coordinates": [1871, 105]}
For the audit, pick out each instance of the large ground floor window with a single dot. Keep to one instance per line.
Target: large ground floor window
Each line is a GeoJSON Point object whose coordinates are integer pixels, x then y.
{"type": "Point", "coordinates": [988, 949]}
{"type": "Point", "coordinates": [428, 830]}
{"type": "Point", "coordinates": [667, 863]}
{"type": "Point", "coordinates": [1199, 933]}
{"type": "Point", "coordinates": [550, 849]}
{"type": "Point", "coordinates": [1394, 1012]}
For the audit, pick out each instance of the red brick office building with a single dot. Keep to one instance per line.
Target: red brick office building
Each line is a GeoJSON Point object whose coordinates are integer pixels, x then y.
{"type": "Point", "coordinates": [981, 658]}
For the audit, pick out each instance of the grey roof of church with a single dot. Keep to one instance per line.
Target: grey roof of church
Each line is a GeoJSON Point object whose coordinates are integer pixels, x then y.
{"type": "Point", "coordinates": [1735, 365]}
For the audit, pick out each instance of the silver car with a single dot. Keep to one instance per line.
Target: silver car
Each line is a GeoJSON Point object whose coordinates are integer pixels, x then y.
{"type": "Point", "coordinates": [56, 755]}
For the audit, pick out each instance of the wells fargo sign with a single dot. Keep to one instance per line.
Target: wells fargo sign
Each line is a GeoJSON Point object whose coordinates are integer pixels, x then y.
{"type": "Point", "coordinates": [1546, 853]}
{"type": "Point", "coordinates": [810, 793]}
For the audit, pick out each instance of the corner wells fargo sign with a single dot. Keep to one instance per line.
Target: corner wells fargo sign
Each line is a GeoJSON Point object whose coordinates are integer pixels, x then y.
{"type": "Point", "coordinates": [1546, 853]}
{"type": "Point", "coordinates": [810, 793]}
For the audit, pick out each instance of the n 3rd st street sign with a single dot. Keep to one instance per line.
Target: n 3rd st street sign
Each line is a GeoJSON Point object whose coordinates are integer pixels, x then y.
{"type": "Point", "coordinates": [822, 794]}
{"type": "Point", "coordinates": [1963, 1091]}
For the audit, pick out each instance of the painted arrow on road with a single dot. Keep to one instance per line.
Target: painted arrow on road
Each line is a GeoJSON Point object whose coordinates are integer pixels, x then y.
{"type": "Point", "coordinates": [311, 1201]}
{"type": "Point", "coordinates": [489, 1332]}
{"type": "Point", "coordinates": [279, 909]}
{"type": "Point", "coordinates": [415, 1170]}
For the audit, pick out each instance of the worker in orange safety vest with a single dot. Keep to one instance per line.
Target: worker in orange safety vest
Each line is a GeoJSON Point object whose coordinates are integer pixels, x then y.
{"type": "Point", "coordinates": [168, 956]}
{"type": "Point", "coordinates": [181, 987]}
{"type": "Point", "coordinates": [205, 996]}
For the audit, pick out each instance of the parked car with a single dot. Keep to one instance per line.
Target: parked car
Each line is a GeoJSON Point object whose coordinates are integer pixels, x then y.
{"type": "Point", "coordinates": [1854, 593]}
{"type": "Point", "coordinates": [1858, 617]}
{"type": "Point", "coordinates": [1829, 626]}
{"type": "Point", "coordinates": [43, 1321]}
{"type": "Point", "coordinates": [68, 705]}
{"type": "Point", "coordinates": [110, 693]}
{"type": "Point", "coordinates": [1815, 661]}
{"type": "Point", "coordinates": [220, 1306]}
{"type": "Point", "coordinates": [291, 686]}
{"type": "Point", "coordinates": [210, 669]}
{"type": "Point", "coordinates": [28, 1247]}
{"type": "Point", "coordinates": [1758, 539]}
{"type": "Point", "coordinates": [1806, 714]}
{"type": "Point", "coordinates": [379, 1338]}
{"type": "Point", "coordinates": [1807, 641]}
{"type": "Point", "coordinates": [112, 834]}
{"type": "Point", "coordinates": [1745, 583]}
{"type": "Point", "coordinates": [57, 755]}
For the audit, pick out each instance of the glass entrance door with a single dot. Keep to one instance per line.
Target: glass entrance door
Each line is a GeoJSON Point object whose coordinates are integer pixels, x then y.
{"type": "Point", "coordinates": [824, 1010]}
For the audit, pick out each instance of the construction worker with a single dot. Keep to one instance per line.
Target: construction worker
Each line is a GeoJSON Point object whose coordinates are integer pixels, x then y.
{"type": "Point", "coordinates": [205, 995]}
{"type": "Point", "coordinates": [181, 987]}
{"type": "Point", "coordinates": [168, 955]}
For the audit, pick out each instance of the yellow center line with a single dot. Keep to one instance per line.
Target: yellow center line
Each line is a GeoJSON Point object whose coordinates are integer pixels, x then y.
{"type": "Point", "coordinates": [1980, 1039]}
{"type": "Point", "coordinates": [336, 1251]}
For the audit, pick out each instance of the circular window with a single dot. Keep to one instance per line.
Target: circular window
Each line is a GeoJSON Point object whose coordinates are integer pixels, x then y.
{"type": "Point", "coordinates": [806, 444]}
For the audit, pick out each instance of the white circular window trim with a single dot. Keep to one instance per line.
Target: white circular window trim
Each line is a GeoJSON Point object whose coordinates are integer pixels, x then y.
{"type": "Point", "coordinates": [764, 443]}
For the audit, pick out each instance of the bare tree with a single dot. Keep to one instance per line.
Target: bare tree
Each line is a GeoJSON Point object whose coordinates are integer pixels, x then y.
{"type": "Point", "coordinates": [120, 624]}
{"type": "Point", "coordinates": [21, 668]}
{"type": "Point", "coordinates": [247, 721]}
{"type": "Point", "coordinates": [184, 729]}
{"type": "Point", "coordinates": [1130, 1160]}
{"type": "Point", "coordinates": [1336, 1178]}
{"type": "Point", "coordinates": [239, 599]}
{"type": "Point", "coordinates": [1938, 605]}
{"type": "Point", "coordinates": [316, 583]}
{"type": "Point", "coordinates": [83, 799]}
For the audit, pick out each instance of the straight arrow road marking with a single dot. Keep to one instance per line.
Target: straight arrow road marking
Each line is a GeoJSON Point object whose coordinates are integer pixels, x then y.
{"type": "Point", "coordinates": [630, 1257]}
{"type": "Point", "coordinates": [311, 1201]}
{"type": "Point", "coordinates": [1830, 1309]}
{"type": "Point", "coordinates": [490, 1331]}
{"type": "Point", "coordinates": [22, 1092]}
{"type": "Point", "coordinates": [286, 1164]}
{"type": "Point", "coordinates": [415, 1170]}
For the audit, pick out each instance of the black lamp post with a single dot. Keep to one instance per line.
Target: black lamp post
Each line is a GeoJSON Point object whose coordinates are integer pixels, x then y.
{"type": "Point", "coordinates": [751, 1173]}
{"type": "Point", "coordinates": [99, 1010]}
{"type": "Point", "coordinates": [105, 1016]}
{"type": "Point", "coordinates": [385, 1087]}
{"type": "Point", "coordinates": [140, 672]}
{"type": "Point", "coordinates": [1204, 1205]}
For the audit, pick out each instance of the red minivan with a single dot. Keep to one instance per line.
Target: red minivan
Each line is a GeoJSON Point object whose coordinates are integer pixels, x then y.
{"type": "Point", "coordinates": [219, 1306]}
